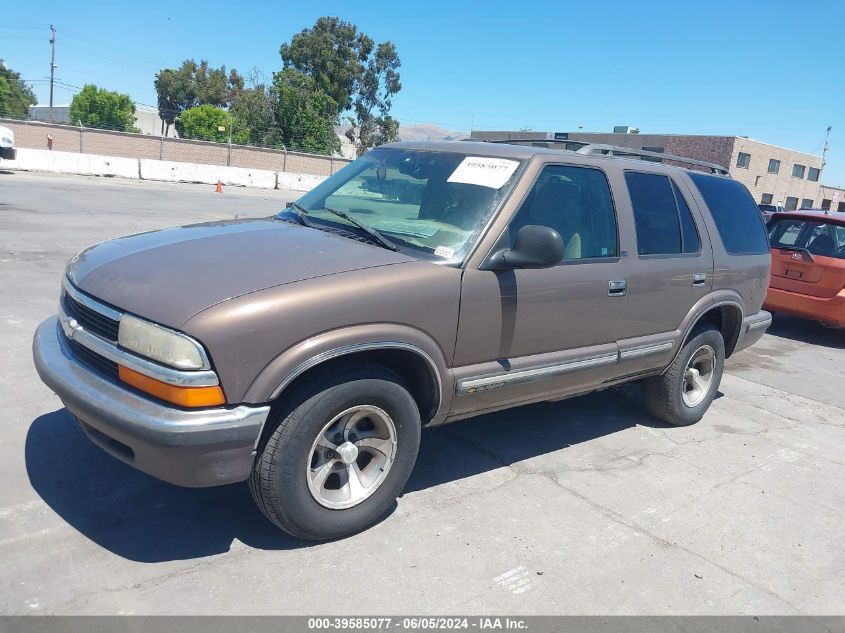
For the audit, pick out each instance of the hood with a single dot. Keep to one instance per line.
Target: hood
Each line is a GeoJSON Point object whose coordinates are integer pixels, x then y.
{"type": "Point", "coordinates": [170, 275]}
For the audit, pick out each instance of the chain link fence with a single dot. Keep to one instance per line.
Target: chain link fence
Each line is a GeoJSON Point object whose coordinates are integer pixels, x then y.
{"type": "Point", "coordinates": [70, 138]}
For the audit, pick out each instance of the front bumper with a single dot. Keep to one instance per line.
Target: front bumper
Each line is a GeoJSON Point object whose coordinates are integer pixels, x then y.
{"type": "Point", "coordinates": [195, 448]}
{"type": "Point", "coordinates": [827, 310]}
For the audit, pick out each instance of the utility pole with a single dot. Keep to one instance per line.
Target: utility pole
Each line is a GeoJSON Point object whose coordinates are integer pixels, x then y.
{"type": "Point", "coordinates": [52, 67]}
{"type": "Point", "coordinates": [826, 146]}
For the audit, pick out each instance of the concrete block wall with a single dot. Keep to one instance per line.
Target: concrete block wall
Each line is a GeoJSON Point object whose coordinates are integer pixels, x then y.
{"type": "Point", "coordinates": [67, 138]}
{"type": "Point", "coordinates": [148, 169]}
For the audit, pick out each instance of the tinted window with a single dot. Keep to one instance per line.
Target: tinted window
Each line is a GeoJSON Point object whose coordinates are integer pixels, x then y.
{"type": "Point", "coordinates": [737, 217]}
{"type": "Point", "coordinates": [576, 202]}
{"type": "Point", "coordinates": [689, 232]}
{"type": "Point", "coordinates": [819, 238]}
{"type": "Point", "coordinates": [665, 225]}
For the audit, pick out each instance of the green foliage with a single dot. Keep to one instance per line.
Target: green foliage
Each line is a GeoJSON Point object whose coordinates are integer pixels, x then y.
{"type": "Point", "coordinates": [346, 65]}
{"type": "Point", "coordinates": [101, 108]}
{"type": "Point", "coordinates": [203, 122]}
{"type": "Point", "coordinates": [304, 113]}
{"type": "Point", "coordinates": [254, 112]}
{"type": "Point", "coordinates": [372, 124]}
{"type": "Point", "coordinates": [15, 95]}
{"type": "Point", "coordinates": [195, 84]}
{"type": "Point", "coordinates": [333, 53]}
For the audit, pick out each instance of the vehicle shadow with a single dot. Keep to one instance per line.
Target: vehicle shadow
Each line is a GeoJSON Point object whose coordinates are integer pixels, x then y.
{"type": "Point", "coordinates": [806, 331]}
{"type": "Point", "coordinates": [140, 518]}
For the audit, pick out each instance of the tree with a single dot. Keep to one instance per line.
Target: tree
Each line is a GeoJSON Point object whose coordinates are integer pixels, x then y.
{"type": "Point", "coordinates": [372, 124]}
{"type": "Point", "coordinates": [204, 122]}
{"type": "Point", "coordinates": [254, 112]}
{"type": "Point", "coordinates": [305, 114]}
{"type": "Point", "coordinates": [346, 65]}
{"type": "Point", "coordinates": [176, 92]}
{"type": "Point", "coordinates": [101, 108]}
{"type": "Point", "coordinates": [333, 53]}
{"type": "Point", "coordinates": [15, 95]}
{"type": "Point", "coordinates": [194, 84]}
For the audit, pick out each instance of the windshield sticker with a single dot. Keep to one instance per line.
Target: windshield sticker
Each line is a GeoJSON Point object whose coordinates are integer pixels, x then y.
{"type": "Point", "coordinates": [444, 251]}
{"type": "Point", "coordinates": [485, 172]}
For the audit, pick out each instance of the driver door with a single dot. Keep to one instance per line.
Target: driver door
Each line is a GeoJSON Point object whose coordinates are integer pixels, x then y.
{"type": "Point", "coordinates": [529, 334]}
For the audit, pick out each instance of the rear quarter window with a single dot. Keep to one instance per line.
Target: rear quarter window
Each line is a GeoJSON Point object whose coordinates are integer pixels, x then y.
{"type": "Point", "coordinates": [736, 215]}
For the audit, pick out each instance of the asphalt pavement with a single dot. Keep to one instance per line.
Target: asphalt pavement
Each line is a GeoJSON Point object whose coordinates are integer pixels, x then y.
{"type": "Point", "coordinates": [586, 506]}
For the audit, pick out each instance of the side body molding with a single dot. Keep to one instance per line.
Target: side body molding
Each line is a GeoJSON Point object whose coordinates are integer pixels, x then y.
{"type": "Point", "coordinates": [305, 355]}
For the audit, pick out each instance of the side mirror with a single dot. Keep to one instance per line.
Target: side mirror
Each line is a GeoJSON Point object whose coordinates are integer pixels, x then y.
{"type": "Point", "coordinates": [534, 247]}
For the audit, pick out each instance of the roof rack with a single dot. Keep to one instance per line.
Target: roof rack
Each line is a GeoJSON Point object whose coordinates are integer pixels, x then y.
{"type": "Point", "coordinates": [612, 150]}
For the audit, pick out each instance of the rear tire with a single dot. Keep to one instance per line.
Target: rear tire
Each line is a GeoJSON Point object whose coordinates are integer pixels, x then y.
{"type": "Point", "coordinates": [683, 393]}
{"type": "Point", "coordinates": [338, 454]}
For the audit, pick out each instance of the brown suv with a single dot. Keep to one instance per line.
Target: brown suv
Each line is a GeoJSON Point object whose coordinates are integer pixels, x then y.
{"type": "Point", "coordinates": [423, 283]}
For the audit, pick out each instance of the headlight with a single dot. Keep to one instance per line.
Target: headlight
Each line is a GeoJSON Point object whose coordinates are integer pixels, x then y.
{"type": "Point", "coordinates": [160, 344]}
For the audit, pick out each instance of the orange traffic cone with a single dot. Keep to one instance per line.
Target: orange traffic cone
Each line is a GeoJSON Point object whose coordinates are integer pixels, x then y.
{"type": "Point", "coordinates": [219, 188]}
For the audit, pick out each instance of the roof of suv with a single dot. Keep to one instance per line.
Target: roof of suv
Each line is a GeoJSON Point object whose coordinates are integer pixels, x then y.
{"type": "Point", "coordinates": [521, 152]}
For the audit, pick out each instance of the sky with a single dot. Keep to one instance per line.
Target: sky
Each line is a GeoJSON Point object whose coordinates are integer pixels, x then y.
{"type": "Point", "coordinates": [772, 70]}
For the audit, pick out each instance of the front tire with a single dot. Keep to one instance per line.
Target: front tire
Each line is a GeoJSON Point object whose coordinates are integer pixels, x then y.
{"type": "Point", "coordinates": [339, 454]}
{"type": "Point", "coordinates": [684, 392]}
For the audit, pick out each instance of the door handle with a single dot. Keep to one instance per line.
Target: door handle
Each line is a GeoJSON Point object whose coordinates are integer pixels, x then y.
{"type": "Point", "coordinates": [617, 288]}
{"type": "Point", "coordinates": [699, 279]}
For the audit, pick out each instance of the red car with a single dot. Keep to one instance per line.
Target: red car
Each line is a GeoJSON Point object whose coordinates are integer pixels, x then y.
{"type": "Point", "coordinates": [808, 266]}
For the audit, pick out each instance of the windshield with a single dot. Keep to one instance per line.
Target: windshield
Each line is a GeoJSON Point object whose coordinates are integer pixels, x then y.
{"type": "Point", "coordinates": [430, 204]}
{"type": "Point", "coordinates": [817, 237]}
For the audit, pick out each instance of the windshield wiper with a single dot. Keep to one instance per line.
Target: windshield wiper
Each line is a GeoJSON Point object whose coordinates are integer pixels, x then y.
{"type": "Point", "coordinates": [377, 237]}
{"type": "Point", "coordinates": [301, 213]}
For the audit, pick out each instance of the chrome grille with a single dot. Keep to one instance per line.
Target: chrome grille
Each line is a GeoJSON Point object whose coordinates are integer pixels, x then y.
{"type": "Point", "coordinates": [89, 319]}
{"type": "Point", "coordinates": [92, 360]}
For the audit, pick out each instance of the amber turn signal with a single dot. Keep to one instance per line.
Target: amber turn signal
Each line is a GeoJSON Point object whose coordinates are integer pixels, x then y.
{"type": "Point", "coordinates": [183, 396]}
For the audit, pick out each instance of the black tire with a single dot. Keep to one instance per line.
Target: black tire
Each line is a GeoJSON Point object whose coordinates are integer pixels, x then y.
{"type": "Point", "coordinates": [664, 394]}
{"type": "Point", "coordinates": [279, 482]}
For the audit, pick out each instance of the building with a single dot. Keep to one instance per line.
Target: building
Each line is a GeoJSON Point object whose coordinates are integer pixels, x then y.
{"type": "Point", "coordinates": [147, 119]}
{"type": "Point", "coordinates": [773, 175]}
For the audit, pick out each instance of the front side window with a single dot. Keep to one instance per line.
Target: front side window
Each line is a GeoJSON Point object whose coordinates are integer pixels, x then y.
{"type": "Point", "coordinates": [663, 220]}
{"type": "Point", "coordinates": [734, 212]}
{"type": "Point", "coordinates": [575, 202]}
{"type": "Point", "coordinates": [430, 204]}
{"type": "Point", "coordinates": [813, 174]}
{"type": "Point", "coordinates": [774, 166]}
{"type": "Point", "coordinates": [798, 171]}
{"type": "Point", "coordinates": [743, 160]}
{"type": "Point", "coordinates": [817, 237]}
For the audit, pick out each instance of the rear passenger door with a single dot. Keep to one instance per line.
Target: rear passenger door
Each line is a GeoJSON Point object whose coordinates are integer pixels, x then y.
{"type": "Point", "coordinates": [671, 268]}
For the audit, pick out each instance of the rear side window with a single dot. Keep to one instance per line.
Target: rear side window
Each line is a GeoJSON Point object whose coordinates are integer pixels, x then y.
{"type": "Point", "coordinates": [662, 217]}
{"type": "Point", "coordinates": [737, 217]}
